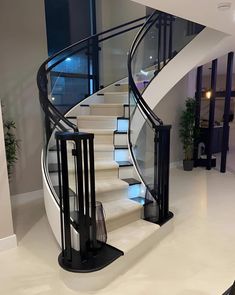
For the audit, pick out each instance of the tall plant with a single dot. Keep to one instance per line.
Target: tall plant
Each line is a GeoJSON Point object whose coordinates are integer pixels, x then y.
{"type": "Point", "coordinates": [188, 131]}
{"type": "Point", "coordinates": [11, 143]}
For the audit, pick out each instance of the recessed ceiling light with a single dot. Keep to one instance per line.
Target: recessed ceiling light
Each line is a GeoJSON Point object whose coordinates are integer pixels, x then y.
{"type": "Point", "coordinates": [224, 6]}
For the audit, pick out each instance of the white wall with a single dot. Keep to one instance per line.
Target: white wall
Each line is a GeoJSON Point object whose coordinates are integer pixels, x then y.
{"type": "Point", "coordinates": [23, 48]}
{"type": "Point", "coordinates": [6, 225]}
{"type": "Point", "coordinates": [169, 110]}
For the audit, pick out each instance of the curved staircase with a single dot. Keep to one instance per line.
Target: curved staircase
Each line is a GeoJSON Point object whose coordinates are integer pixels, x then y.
{"type": "Point", "coordinates": [107, 146]}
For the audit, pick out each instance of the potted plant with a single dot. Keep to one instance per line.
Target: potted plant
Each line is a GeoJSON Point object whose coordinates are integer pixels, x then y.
{"type": "Point", "coordinates": [188, 132]}
{"type": "Point", "coordinates": [11, 143]}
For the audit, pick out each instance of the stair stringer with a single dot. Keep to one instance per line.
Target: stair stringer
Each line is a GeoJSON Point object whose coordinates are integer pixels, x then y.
{"type": "Point", "coordinates": [204, 47]}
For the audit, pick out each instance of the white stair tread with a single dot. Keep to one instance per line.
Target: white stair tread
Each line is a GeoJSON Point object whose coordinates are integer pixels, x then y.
{"type": "Point", "coordinates": [131, 235]}
{"type": "Point", "coordinates": [118, 208]}
{"type": "Point", "coordinates": [103, 147]}
{"type": "Point", "coordinates": [112, 184]}
{"type": "Point", "coordinates": [97, 131]}
{"type": "Point", "coordinates": [116, 93]}
{"type": "Point", "coordinates": [106, 105]}
{"type": "Point", "coordinates": [105, 165]}
{"type": "Point", "coordinates": [96, 118]}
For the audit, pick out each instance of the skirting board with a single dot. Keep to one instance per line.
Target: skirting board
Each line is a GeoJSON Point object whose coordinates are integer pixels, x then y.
{"type": "Point", "coordinates": [8, 243]}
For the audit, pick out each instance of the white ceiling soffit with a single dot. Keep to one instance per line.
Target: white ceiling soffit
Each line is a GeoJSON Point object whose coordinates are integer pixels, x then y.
{"type": "Point", "coordinates": [205, 12]}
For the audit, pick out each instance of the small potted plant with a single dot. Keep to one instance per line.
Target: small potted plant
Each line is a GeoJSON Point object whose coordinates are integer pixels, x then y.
{"type": "Point", "coordinates": [11, 143]}
{"type": "Point", "coordinates": [188, 132]}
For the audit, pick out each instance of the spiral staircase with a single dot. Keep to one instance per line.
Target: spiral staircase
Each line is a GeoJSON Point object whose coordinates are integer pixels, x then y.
{"type": "Point", "coordinates": [105, 162]}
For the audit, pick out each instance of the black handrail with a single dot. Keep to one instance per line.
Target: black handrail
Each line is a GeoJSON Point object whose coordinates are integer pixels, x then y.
{"type": "Point", "coordinates": [152, 117]}
{"type": "Point", "coordinates": [51, 111]}
{"type": "Point", "coordinates": [158, 189]}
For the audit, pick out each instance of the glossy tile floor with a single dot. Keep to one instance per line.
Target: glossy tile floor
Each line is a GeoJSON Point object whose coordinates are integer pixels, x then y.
{"type": "Point", "coordinates": [196, 258]}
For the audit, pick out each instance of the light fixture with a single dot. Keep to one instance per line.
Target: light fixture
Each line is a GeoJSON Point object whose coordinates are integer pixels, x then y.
{"type": "Point", "coordinates": [68, 59]}
{"type": "Point", "coordinates": [208, 94]}
{"type": "Point", "coordinates": [150, 57]}
{"type": "Point", "coordinates": [53, 98]}
{"type": "Point", "coordinates": [224, 6]}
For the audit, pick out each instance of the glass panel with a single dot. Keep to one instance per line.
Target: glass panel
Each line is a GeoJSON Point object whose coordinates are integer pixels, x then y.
{"type": "Point", "coordinates": [113, 57]}
{"type": "Point", "coordinates": [142, 136]}
{"type": "Point", "coordinates": [159, 42]}
{"type": "Point", "coordinates": [69, 80]}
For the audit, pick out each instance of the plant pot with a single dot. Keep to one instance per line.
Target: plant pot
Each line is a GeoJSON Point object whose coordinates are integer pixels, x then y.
{"type": "Point", "coordinates": [188, 165]}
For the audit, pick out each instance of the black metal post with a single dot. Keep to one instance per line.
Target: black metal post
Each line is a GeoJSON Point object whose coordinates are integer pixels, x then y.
{"type": "Point", "coordinates": [170, 37]}
{"type": "Point", "coordinates": [92, 190]}
{"type": "Point", "coordinates": [159, 41]}
{"type": "Point", "coordinates": [164, 38]}
{"type": "Point", "coordinates": [225, 140]}
{"type": "Point", "coordinates": [163, 167]}
{"type": "Point", "coordinates": [211, 114]}
{"type": "Point", "coordinates": [95, 64]}
{"type": "Point", "coordinates": [93, 16]}
{"type": "Point", "coordinates": [81, 204]}
{"type": "Point", "coordinates": [88, 67]}
{"type": "Point", "coordinates": [198, 97]}
{"type": "Point", "coordinates": [60, 196]}
{"type": "Point", "coordinates": [65, 201]}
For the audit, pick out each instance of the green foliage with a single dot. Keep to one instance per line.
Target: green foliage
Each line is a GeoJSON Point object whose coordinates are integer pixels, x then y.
{"type": "Point", "coordinates": [187, 128]}
{"type": "Point", "coordinates": [11, 144]}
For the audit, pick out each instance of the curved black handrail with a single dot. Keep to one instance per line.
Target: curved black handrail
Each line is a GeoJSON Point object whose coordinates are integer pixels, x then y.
{"type": "Point", "coordinates": [53, 113]}
{"type": "Point", "coordinates": [157, 182]}
{"type": "Point", "coordinates": [153, 118]}
{"type": "Point", "coordinates": [152, 20]}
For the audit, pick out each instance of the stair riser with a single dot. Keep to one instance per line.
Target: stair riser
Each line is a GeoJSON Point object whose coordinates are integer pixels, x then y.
{"type": "Point", "coordinates": [122, 155]}
{"type": "Point", "coordinates": [101, 124]}
{"type": "Point", "coordinates": [103, 139]}
{"type": "Point", "coordinates": [106, 174]}
{"type": "Point", "coordinates": [135, 190]}
{"type": "Point", "coordinates": [124, 220]}
{"type": "Point", "coordinates": [52, 158]}
{"type": "Point", "coordinates": [112, 195]}
{"type": "Point", "coordinates": [97, 110]}
{"type": "Point", "coordinates": [122, 125]}
{"type": "Point", "coordinates": [116, 98]}
{"type": "Point", "coordinates": [104, 155]}
{"type": "Point", "coordinates": [114, 88]}
{"type": "Point", "coordinates": [99, 174]}
{"type": "Point", "coordinates": [118, 155]}
{"type": "Point", "coordinates": [126, 172]}
{"type": "Point", "coordinates": [120, 139]}
{"type": "Point", "coordinates": [126, 111]}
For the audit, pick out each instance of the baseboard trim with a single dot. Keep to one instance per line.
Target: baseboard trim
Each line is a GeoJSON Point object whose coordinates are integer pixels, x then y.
{"type": "Point", "coordinates": [8, 243]}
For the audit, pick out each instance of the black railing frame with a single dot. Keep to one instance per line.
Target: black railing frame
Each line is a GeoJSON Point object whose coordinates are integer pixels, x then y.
{"type": "Point", "coordinates": [162, 171]}
{"type": "Point", "coordinates": [92, 255]}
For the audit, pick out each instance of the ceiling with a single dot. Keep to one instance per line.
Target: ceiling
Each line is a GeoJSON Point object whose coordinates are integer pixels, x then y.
{"type": "Point", "coordinates": [200, 11]}
{"type": "Point", "coordinates": [205, 12]}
